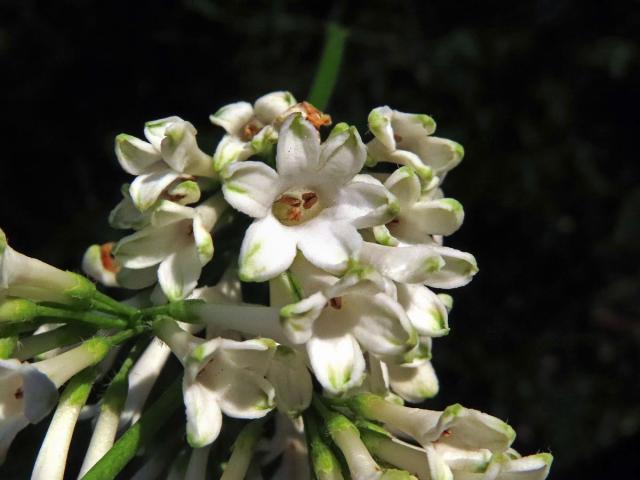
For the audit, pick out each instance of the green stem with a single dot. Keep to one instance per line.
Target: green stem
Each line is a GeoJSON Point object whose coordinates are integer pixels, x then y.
{"type": "Point", "coordinates": [243, 449]}
{"type": "Point", "coordinates": [179, 310]}
{"type": "Point", "coordinates": [101, 321]}
{"type": "Point", "coordinates": [116, 394]}
{"type": "Point", "coordinates": [125, 335]}
{"type": "Point", "coordinates": [329, 66]}
{"type": "Point", "coordinates": [137, 435]}
{"type": "Point", "coordinates": [34, 345]}
{"type": "Point", "coordinates": [113, 306]}
{"type": "Point", "coordinates": [325, 464]}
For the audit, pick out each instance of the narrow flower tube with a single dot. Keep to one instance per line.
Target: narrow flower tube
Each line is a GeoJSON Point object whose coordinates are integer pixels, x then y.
{"type": "Point", "coordinates": [52, 457]}
{"type": "Point", "coordinates": [142, 378]}
{"type": "Point", "coordinates": [197, 467]}
{"type": "Point", "coordinates": [325, 464]}
{"type": "Point", "coordinates": [106, 427]}
{"type": "Point", "coordinates": [347, 438]}
{"type": "Point", "coordinates": [243, 449]}
{"type": "Point", "coordinates": [26, 277]}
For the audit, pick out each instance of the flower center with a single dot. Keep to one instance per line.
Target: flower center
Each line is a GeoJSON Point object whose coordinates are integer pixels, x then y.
{"type": "Point", "coordinates": [296, 206]}
{"type": "Point", "coordinates": [250, 130]}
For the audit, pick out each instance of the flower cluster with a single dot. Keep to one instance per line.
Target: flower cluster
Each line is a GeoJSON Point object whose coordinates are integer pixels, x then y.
{"type": "Point", "coordinates": [320, 320]}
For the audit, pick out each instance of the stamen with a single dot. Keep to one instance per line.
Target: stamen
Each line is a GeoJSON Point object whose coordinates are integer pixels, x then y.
{"type": "Point", "coordinates": [397, 137]}
{"type": "Point", "coordinates": [288, 200]}
{"type": "Point", "coordinates": [107, 259]}
{"type": "Point", "coordinates": [250, 130]}
{"type": "Point", "coordinates": [316, 117]}
{"type": "Point", "coordinates": [19, 394]}
{"type": "Point", "coordinates": [336, 302]}
{"type": "Point", "coordinates": [310, 199]}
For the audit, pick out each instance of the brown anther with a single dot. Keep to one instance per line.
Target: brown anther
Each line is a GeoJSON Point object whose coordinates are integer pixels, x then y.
{"type": "Point", "coordinates": [19, 394]}
{"type": "Point", "coordinates": [291, 201]}
{"type": "Point", "coordinates": [316, 117]}
{"type": "Point", "coordinates": [446, 433]}
{"type": "Point", "coordinates": [294, 214]}
{"type": "Point", "coordinates": [310, 199]}
{"type": "Point", "coordinates": [250, 130]}
{"type": "Point", "coordinates": [336, 302]}
{"type": "Point", "coordinates": [395, 221]}
{"type": "Point", "coordinates": [397, 137]}
{"type": "Point", "coordinates": [107, 259]}
{"type": "Point", "coordinates": [175, 197]}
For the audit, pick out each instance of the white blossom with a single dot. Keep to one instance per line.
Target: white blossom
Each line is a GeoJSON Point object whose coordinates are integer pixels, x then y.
{"type": "Point", "coordinates": [176, 245]}
{"type": "Point", "coordinates": [311, 202]}
{"type": "Point", "coordinates": [250, 130]}
{"type": "Point", "coordinates": [405, 138]}
{"type": "Point", "coordinates": [170, 156]}
{"type": "Point", "coordinates": [221, 376]}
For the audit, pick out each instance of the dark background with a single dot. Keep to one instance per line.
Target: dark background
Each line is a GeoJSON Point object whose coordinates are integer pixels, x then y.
{"type": "Point", "coordinates": [542, 94]}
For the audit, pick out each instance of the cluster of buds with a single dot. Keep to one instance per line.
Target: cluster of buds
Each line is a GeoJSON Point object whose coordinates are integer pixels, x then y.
{"type": "Point", "coordinates": [336, 245]}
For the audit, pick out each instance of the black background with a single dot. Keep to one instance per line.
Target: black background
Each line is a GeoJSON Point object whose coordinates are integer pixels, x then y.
{"type": "Point", "coordinates": [542, 94]}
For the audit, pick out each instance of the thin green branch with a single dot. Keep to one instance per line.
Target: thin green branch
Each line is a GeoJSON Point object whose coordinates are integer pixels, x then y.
{"type": "Point", "coordinates": [139, 434]}
{"type": "Point", "coordinates": [329, 66]}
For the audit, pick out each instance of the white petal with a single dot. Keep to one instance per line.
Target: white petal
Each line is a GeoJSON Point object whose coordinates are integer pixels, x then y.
{"type": "Point", "coordinates": [298, 318]}
{"type": "Point", "coordinates": [458, 270]}
{"type": "Point", "coordinates": [298, 148]}
{"type": "Point", "coordinates": [336, 358]}
{"type": "Point", "coordinates": [382, 327]}
{"type": "Point", "coordinates": [435, 217]}
{"type": "Point", "coordinates": [179, 273]}
{"type": "Point", "coordinates": [203, 241]}
{"type": "Point", "coordinates": [405, 185]}
{"type": "Point", "coordinates": [291, 380]}
{"type": "Point", "coordinates": [231, 149]}
{"type": "Point", "coordinates": [146, 189]}
{"type": "Point", "coordinates": [135, 155]}
{"type": "Point", "coordinates": [250, 187]}
{"type": "Point", "coordinates": [148, 247]}
{"type": "Point", "coordinates": [154, 130]}
{"type": "Point", "coordinates": [471, 429]}
{"type": "Point", "coordinates": [364, 205]}
{"type": "Point", "coordinates": [342, 155]}
{"type": "Point", "coordinates": [379, 122]}
{"type": "Point", "coordinates": [181, 152]}
{"type": "Point", "coordinates": [532, 467]}
{"type": "Point", "coordinates": [414, 384]}
{"type": "Point", "coordinates": [426, 311]}
{"type": "Point", "coordinates": [271, 105]}
{"type": "Point", "coordinates": [412, 264]}
{"type": "Point", "coordinates": [125, 215]}
{"type": "Point", "coordinates": [240, 393]}
{"type": "Point", "coordinates": [439, 153]}
{"type": "Point", "coordinates": [437, 468]}
{"type": "Point", "coordinates": [233, 117]}
{"type": "Point", "coordinates": [329, 246]}
{"type": "Point", "coordinates": [204, 418]}
{"type": "Point", "coordinates": [268, 249]}
{"type": "Point", "coordinates": [407, 125]}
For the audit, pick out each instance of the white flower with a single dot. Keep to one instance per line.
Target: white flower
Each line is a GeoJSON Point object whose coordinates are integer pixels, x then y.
{"type": "Point", "coordinates": [429, 264]}
{"type": "Point", "coordinates": [312, 202]}
{"type": "Point", "coordinates": [456, 426]}
{"type": "Point", "coordinates": [27, 277]}
{"type": "Point", "coordinates": [100, 265]}
{"type": "Point", "coordinates": [440, 461]}
{"type": "Point", "coordinates": [250, 129]}
{"type": "Point", "coordinates": [176, 244]}
{"type": "Point", "coordinates": [29, 391]}
{"type": "Point", "coordinates": [421, 216]}
{"type": "Point", "coordinates": [405, 138]}
{"type": "Point", "coordinates": [220, 376]}
{"type": "Point", "coordinates": [344, 318]}
{"type": "Point", "coordinates": [171, 154]}
{"type": "Point", "coordinates": [26, 396]}
{"type": "Point", "coordinates": [291, 379]}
